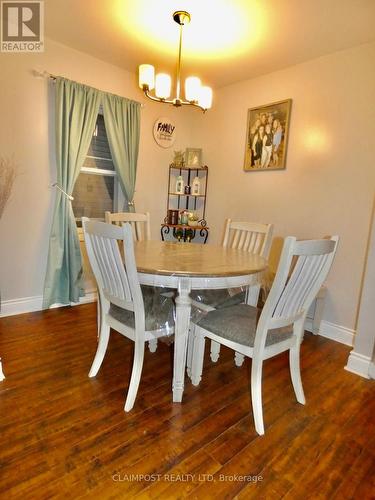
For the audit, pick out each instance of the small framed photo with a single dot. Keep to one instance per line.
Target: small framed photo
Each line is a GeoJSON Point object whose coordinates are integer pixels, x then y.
{"type": "Point", "coordinates": [193, 157]}
{"type": "Point", "coordinates": [267, 136]}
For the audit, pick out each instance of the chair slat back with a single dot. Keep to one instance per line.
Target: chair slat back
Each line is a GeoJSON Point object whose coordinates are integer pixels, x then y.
{"type": "Point", "coordinates": [303, 267]}
{"type": "Point", "coordinates": [140, 223]}
{"type": "Point", "coordinates": [252, 237]}
{"type": "Point", "coordinates": [117, 281]}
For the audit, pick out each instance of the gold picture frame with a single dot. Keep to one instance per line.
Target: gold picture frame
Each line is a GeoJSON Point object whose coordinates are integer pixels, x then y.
{"type": "Point", "coordinates": [267, 136]}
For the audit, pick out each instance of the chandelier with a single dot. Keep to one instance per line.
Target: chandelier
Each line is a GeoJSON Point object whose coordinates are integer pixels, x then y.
{"type": "Point", "coordinates": [195, 94]}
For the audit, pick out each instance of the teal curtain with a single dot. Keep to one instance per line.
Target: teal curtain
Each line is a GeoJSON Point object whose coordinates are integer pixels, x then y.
{"type": "Point", "coordinates": [76, 112]}
{"type": "Point", "coordinates": [122, 123]}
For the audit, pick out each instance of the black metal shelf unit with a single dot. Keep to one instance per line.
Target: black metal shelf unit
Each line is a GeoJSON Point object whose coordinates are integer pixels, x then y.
{"type": "Point", "coordinates": [187, 201]}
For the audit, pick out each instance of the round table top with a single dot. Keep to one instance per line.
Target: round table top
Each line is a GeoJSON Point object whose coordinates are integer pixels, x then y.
{"type": "Point", "coordinates": [192, 259]}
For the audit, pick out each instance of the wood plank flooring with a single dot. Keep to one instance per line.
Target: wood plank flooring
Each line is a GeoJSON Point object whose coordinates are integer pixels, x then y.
{"type": "Point", "coordinates": [65, 435]}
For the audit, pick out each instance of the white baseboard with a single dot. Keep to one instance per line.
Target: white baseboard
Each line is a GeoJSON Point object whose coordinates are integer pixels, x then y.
{"type": "Point", "coordinates": [337, 332]}
{"type": "Point", "coordinates": [308, 325]}
{"type": "Point", "coordinates": [19, 306]}
{"type": "Point", "coordinates": [359, 364]}
{"type": "Point", "coordinates": [334, 332]}
{"type": "Point", "coordinates": [32, 304]}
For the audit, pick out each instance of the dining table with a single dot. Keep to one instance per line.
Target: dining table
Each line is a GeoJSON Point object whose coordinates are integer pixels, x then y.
{"type": "Point", "coordinates": [193, 266]}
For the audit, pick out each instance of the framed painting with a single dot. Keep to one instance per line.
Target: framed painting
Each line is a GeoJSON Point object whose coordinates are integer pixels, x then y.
{"type": "Point", "coordinates": [267, 136]}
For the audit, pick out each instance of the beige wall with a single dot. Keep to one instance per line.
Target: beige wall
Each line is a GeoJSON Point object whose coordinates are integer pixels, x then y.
{"type": "Point", "coordinates": [327, 187]}
{"type": "Point", "coordinates": [24, 132]}
{"type": "Point", "coordinates": [329, 182]}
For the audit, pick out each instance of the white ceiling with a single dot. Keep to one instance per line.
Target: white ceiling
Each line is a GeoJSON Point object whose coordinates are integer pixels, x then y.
{"type": "Point", "coordinates": [226, 41]}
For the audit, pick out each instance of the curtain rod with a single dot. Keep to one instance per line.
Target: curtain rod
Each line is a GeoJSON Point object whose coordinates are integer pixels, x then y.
{"type": "Point", "coordinates": [46, 74]}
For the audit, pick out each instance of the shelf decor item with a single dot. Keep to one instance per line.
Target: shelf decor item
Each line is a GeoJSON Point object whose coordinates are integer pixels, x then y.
{"type": "Point", "coordinates": [195, 94]}
{"type": "Point", "coordinates": [267, 136]}
{"type": "Point", "coordinates": [193, 220]}
{"type": "Point", "coordinates": [184, 217]}
{"type": "Point", "coordinates": [186, 203]}
{"type": "Point", "coordinates": [193, 157]}
{"type": "Point", "coordinates": [180, 185]}
{"type": "Point", "coordinates": [172, 217]}
{"type": "Point", "coordinates": [178, 159]}
{"type": "Point", "coordinates": [196, 186]}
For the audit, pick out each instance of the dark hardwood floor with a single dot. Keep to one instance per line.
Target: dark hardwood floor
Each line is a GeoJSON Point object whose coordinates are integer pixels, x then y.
{"type": "Point", "coordinates": [65, 435]}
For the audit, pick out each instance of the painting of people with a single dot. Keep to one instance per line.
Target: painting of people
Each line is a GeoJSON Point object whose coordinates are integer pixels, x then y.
{"type": "Point", "coordinates": [267, 136]}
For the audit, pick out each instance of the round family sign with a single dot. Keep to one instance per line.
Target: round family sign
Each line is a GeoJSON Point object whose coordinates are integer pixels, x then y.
{"type": "Point", "coordinates": [164, 132]}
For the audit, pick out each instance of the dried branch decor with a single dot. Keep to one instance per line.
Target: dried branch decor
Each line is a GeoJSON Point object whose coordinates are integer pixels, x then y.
{"type": "Point", "coordinates": [8, 173]}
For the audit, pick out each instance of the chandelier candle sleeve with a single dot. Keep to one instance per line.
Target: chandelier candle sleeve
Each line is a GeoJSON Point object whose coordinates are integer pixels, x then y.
{"type": "Point", "coordinates": [146, 76]}
{"type": "Point", "coordinates": [163, 86]}
{"type": "Point", "coordinates": [192, 88]}
{"type": "Point", "coordinates": [205, 97]}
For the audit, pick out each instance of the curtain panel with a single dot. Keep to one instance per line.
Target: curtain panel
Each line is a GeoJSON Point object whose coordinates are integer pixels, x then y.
{"type": "Point", "coordinates": [76, 110]}
{"type": "Point", "coordinates": [122, 123]}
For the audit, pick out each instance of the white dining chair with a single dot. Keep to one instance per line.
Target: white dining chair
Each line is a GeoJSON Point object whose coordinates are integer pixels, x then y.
{"type": "Point", "coordinates": [140, 223]}
{"type": "Point", "coordinates": [141, 228]}
{"type": "Point", "coordinates": [252, 237]}
{"type": "Point", "coordinates": [138, 316]}
{"type": "Point", "coordinates": [279, 326]}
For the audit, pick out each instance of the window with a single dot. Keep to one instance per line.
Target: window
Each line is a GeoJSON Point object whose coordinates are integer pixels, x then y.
{"type": "Point", "coordinates": [96, 189]}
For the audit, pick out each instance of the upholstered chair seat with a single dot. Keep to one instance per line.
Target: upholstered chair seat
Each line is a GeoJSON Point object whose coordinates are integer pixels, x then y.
{"type": "Point", "coordinates": [158, 311]}
{"type": "Point", "coordinates": [239, 323]}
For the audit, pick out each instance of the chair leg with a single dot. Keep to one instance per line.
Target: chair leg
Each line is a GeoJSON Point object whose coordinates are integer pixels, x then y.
{"type": "Point", "coordinates": [152, 345]}
{"type": "Point", "coordinates": [139, 351]}
{"type": "Point", "coordinates": [215, 351]}
{"type": "Point", "coordinates": [295, 373]}
{"type": "Point", "coordinates": [256, 394]}
{"type": "Point", "coordinates": [101, 349]}
{"type": "Point", "coordinates": [98, 313]}
{"type": "Point", "coordinates": [238, 359]}
{"type": "Point", "coordinates": [197, 359]}
{"type": "Point", "coordinates": [103, 335]}
{"type": "Point", "coordinates": [190, 347]}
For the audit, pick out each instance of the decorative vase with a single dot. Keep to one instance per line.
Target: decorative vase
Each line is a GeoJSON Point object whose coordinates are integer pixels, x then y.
{"type": "Point", "coordinates": [196, 186]}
